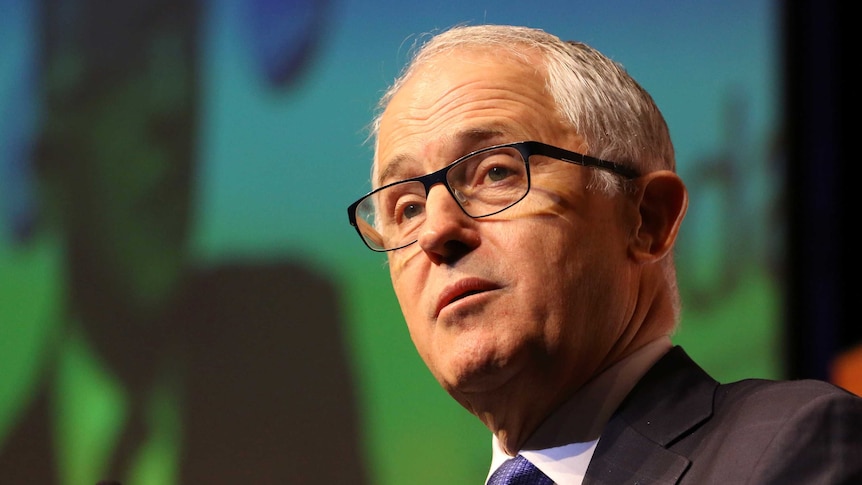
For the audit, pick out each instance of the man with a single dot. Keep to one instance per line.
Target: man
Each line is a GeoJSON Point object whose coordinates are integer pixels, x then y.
{"type": "Point", "coordinates": [536, 277]}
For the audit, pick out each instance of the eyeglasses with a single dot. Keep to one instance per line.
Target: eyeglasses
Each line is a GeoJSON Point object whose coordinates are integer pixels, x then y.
{"type": "Point", "coordinates": [483, 183]}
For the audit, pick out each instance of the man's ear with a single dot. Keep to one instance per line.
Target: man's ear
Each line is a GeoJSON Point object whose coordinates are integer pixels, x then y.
{"type": "Point", "coordinates": [662, 200]}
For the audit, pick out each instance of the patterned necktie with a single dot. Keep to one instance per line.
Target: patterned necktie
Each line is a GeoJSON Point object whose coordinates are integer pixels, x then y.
{"type": "Point", "coordinates": [519, 471]}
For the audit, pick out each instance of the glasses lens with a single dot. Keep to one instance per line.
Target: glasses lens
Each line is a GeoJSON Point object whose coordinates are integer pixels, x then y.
{"type": "Point", "coordinates": [390, 217]}
{"type": "Point", "coordinates": [482, 184]}
{"type": "Point", "coordinates": [490, 181]}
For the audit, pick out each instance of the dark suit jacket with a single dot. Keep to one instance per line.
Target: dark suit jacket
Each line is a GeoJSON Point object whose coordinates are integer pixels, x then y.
{"type": "Point", "coordinates": [680, 426]}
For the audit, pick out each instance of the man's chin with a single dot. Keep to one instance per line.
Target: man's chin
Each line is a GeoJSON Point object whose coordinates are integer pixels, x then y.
{"type": "Point", "coordinates": [489, 376]}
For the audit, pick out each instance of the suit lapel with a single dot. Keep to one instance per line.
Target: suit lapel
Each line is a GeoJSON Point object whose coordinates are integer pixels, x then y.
{"type": "Point", "coordinates": [673, 397]}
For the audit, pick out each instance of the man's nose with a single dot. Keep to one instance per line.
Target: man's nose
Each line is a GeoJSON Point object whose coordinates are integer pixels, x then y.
{"type": "Point", "coordinates": [447, 232]}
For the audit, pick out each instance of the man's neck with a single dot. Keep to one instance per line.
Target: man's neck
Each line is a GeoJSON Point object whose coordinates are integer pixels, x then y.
{"type": "Point", "coordinates": [582, 417]}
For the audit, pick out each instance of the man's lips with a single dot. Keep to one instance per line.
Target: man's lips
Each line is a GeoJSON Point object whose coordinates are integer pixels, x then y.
{"type": "Point", "coordinates": [461, 289]}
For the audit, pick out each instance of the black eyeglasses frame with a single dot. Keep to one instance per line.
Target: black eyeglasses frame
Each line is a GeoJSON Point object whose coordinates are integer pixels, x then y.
{"type": "Point", "coordinates": [525, 148]}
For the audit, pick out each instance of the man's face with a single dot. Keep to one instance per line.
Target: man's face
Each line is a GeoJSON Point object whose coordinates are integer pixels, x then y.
{"type": "Point", "coordinates": [526, 304]}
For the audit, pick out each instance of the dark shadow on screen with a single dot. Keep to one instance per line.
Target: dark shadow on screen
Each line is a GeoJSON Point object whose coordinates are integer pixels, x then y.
{"type": "Point", "coordinates": [255, 350]}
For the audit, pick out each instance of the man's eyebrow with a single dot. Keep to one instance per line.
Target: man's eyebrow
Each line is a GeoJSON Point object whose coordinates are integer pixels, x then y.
{"type": "Point", "coordinates": [476, 138]}
{"type": "Point", "coordinates": [394, 170]}
{"type": "Point", "coordinates": [464, 142]}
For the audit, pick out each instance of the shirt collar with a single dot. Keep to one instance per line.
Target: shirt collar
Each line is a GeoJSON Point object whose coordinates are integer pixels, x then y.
{"type": "Point", "coordinates": [564, 443]}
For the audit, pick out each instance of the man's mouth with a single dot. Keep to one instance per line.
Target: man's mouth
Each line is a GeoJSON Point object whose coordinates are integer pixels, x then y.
{"type": "Point", "coordinates": [462, 289]}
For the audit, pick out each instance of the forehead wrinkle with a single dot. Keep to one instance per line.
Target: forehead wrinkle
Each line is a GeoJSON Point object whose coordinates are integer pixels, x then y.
{"type": "Point", "coordinates": [428, 110]}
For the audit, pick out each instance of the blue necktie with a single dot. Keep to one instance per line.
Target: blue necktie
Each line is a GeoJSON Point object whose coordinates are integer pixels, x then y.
{"type": "Point", "coordinates": [519, 471]}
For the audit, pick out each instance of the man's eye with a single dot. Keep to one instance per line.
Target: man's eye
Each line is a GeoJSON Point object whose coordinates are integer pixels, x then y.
{"type": "Point", "coordinates": [410, 211]}
{"type": "Point", "coordinates": [498, 173]}
{"type": "Point", "coordinates": [407, 209]}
